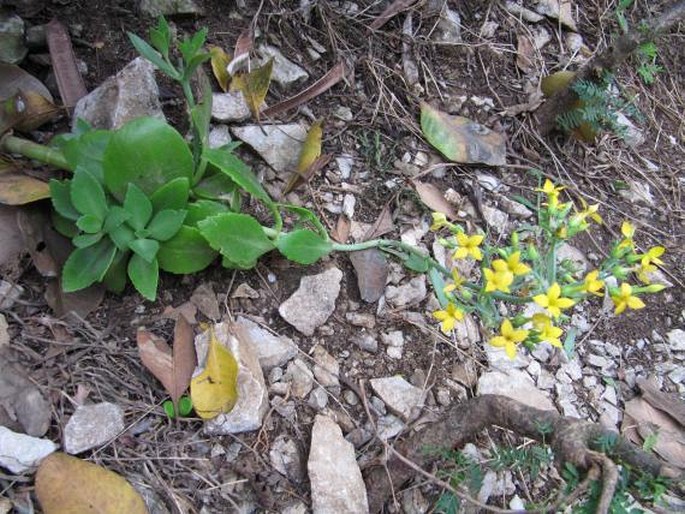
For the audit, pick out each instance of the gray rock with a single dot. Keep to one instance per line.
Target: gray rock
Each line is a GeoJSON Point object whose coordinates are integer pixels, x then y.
{"type": "Point", "coordinates": [20, 452]}
{"type": "Point", "coordinates": [92, 426]}
{"type": "Point", "coordinates": [366, 342]}
{"type": "Point", "coordinates": [295, 507]}
{"type": "Point", "coordinates": [9, 293]}
{"type": "Point", "coordinates": [448, 29]}
{"type": "Point", "coordinates": [326, 368]}
{"type": "Point", "coordinates": [395, 342]}
{"type": "Point", "coordinates": [284, 71]}
{"type": "Point", "coordinates": [155, 8]}
{"type": "Point", "coordinates": [567, 252]}
{"type": "Point", "coordinates": [285, 457]}
{"type": "Point", "coordinates": [399, 396]}
{"type": "Point", "coordinates": [278, 145]}
{"type": "Point", "coordinates": [389, 426]}
{"type": "Point", "coordinates": [300, 377]}
{"type": "Point", "coordinates": [271, 350]}
{"type": "Point", "coordinates": [345, 163]}
{"type": "Point", "coordinates": [318, 399]}
{"type": "Point", "coordinates": [253, 402]}
{"type": "Point", "coordinates": [412, 292]}
{"type": "Point", "coordinates": [499, 360]}
{"type": "Point", "coordinates": [361, 319]}
{"type": "Point", "coordinates": [566, 397]}
{"type": "Point", "coordinates": [12, 46]}
{"type": "Point", "coordinates": [519, 10]}
{"type": "Point", "coordinates": [676, 340]}
{"type": "Point", "coordinates": [228, 107]}
{"type": "Point", "coordinates": [514, 384]}
{"type": "Point", "coordinates": [204, 298]}
{"type": "Point", "coordinates": [129, 94]}
{"type": "Point", "coordinates": [496, 219]}
{"type": "Point", "coordinates": [313, 302]}
{"type": "Point", "coordinates": [336, 481]}
{"type": "Point", "coordinates": [219, 136]}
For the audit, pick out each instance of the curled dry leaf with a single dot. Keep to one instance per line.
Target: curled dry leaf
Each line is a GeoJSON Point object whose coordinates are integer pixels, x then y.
{"type": "Point", "coordinates": [215, 390]}
{"type": "Point", "coordinates": [66, 484]}
{"type": "Point", "coordinates": [341, 232]}
{"type": "Point", "coordinates": [173, 369]}
{"type": "Point", "coordinates": [69, 80]}
{"type": "Point", "coordinates": [525, 53]}
{"type": "Point", "coordinates": [433, 198]}
{"type": "Point", "coordinates": [254, 85]}
{"type": "Point", "coordinates": [241, 53]}
{"type": "Point", "coordinates": [26, 111]}
{"type": "Point", "coordinates": [20, 189]}
{"type": "Point", "coordinates": [219, 61]}
{"type": "Point", "coordinates": [310, 160]}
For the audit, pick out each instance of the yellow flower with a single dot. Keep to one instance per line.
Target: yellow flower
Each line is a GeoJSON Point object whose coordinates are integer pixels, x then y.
{"type": "Point", "coordinates": [448, 317]}
{"type": "Point", "coordinates": [468, 245]}
{"type": "Point", "coordinates": [592, 284]}
{"type": "Point", "coordinates": [547, 331]}
{"type": "Point", "coordinates": [516, 266]}
{"type": "Point", "coordinates": [553, 301]}
{"type": "Point", "coordinates": [578, 220]}
{"type": "Point", "coordinates": [499, 278]}
{"type": "Point", "coordinates": [552, 193]}
{"type": "Point", "coordinates": [457, 282]}
{"type": "Point", "coordinates": [623, 298]}
{"type": "Point", "coordinates": [509, 337]}
{"type": "Point", "coordinates": [439, 221]}
{"type": "Point", "coordinates": [652, 256]}
{"type": "Point", "coordinates": [628, 231]}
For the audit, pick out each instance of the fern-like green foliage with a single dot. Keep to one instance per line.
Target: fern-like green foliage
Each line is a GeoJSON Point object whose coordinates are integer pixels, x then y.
{"type": "Point", "coordinates": [598, 107]}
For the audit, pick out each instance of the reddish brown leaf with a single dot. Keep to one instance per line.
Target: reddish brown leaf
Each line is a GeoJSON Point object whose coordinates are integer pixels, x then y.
{"type": "Point", "coordinates": [298, 179]}
{"type": "Point", "coordinates": [241, 53]}
{"type": "Point", "coordinates": [184, 357]}
{"type": "Point", "coordinates": [525, 53]}
{"type": "Point", "coordinates": [434, 199]}
{"type": "Point", "coordinates": [390, 12]}
{"type": "Point", "coordinates": [332, 77]}
{"type": "Point", "coordinates": [155, 354]}
{"type": "Point", "coordinates": [371, 268]}
{"type": "Point", "coordinates": [382, 225]}
{"type": "Point", "coordinates": [69, 80]}
{"type": "Point", "coordinates": [341, 232]}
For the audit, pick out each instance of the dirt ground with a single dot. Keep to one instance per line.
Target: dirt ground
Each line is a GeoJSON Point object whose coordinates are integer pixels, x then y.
{"type": "Point", "coordinates": [191, 472]}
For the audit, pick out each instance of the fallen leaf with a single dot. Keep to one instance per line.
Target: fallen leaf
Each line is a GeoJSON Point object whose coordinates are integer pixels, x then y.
{"type": "Point", "coordinates": [173, 369]}
{"type": "Point", "coordinates": [433, 198]}
{"type": "Point", "coordinates": [309, 153]}
{"type": "Point", "coordinates": [20, 189]}
{"type": "Point", "coordinates": [186, 309]}
{"type": "Point", "coordinates": [69, 80]}
{"type": "Point", "coordinates": [332, 77]}
{"type": "Point", "coordinates": [241, 52]}
{"type": "Point", "coordinates": [214, 390]}
{"type": "Point", "coordinates": [14, 79]}
{"type": "Point", "coordinates": [382, 225]}
{"type": "Point", "coordinates": [65, 484]}
{"type": "Point", "coordinates": [296, 179]}
{"type": "Point", "coordinates": [26, 111]}
{"type": "Point", "coordinates": [462, 140]}
{"type": "Point", "coordinates": [670, 403]}
{"type": "Point", "coordinates": [391, 11]}
{"type": "Point", "coordinates": [219, 61]}
{"type": "Point", "coordinates": [525, 53]}
{"type": "Point", "coordinates": [341, 232]}
{"type": "Point", "coordinates": [561, 10]}
{"type": "Point", "coordinates": [371, 268]}
{"type": "Point", "coordinates": [81, 302]}
{"type": "Point", "coordinates": [204, 298]}
{"type": "Point", "coordinates": [254, 85]}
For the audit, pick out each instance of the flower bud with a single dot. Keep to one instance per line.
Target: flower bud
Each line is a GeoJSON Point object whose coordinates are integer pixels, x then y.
{"type": "Point", "coordinates": [652, 288]}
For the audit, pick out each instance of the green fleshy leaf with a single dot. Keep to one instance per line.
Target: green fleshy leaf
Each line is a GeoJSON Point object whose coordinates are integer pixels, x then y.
{"type": "Point", "coordinates": [89, 223]}
{"type": "Point", "coordinates": [87, 195]}
{"type": "Point", "coordinates": [86, 240]}
{"type": "Point", "coordinates": [87, 150]}
{"type": "Point", "coordinates": [165, 224]}
{"type": "Point", "coordinates": [173, 195]}
{"type": "Point", "coordinates": [145, 248]}
{"type": "Point", "coordinates": [144, 276]}
{"type": "Point", "coordinates": [149, 53]}
{"type": "Point", "coordinates": [438, 283]}
{"type": "Point", "coordinates": [185, 405]}
{"type": "Point", "coordinates": [239, 237]}
{"type": "Point", "coordinates": [115, 278]}
{"type": "Point", "coordinates": [160, 36]}
{"type": "Point", "coordinates": [415, 262]}
{"type": "Point", "coordinates": [202, 209]}
{"type": "Point", "coordinates": [60, 195]}
{"type": "Point", "coordinates": [216, 186]}
{"type": "Point", "coordinates": [122, 237]}
{"type": "Point", "coordinates": [187, 252]}
{"type": "Point", "coordinates": [115, 217]}
{"type": "Point", "coordinates": [138, 206]}
{"type": "Point", "coordinates": [147, 152]}
{"type": "Point", "coordinates": [86, 266]}
{"type": "Point", "coordinates": [303, 246]}
{"type": "Point", "coordinates": [239, 172]}
{"type": "Point", "coordinates": [169, 410]}
{"type": "Point", "coordinates": [64, 226]}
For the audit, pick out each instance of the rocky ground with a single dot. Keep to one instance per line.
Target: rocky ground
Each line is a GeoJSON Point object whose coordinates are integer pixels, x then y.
{"type": "Point", "coordinates": [314, 330]}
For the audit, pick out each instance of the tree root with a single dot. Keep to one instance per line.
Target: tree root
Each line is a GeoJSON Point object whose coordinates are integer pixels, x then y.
{"type": "Point", "coordinates": [572, 440]}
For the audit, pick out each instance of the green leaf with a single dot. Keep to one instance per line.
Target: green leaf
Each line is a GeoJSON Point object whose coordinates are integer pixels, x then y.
{"type": "Point", "coordinates": [236, 236]}
{"type": "Point", "coordinates": [63, 225]}
{"type": "Point", "coordinates": [144, 276]}
{"type": "Point", "coordinates": [172, 195]}
{"type": "Point", "coordinates": [201, 114]}
{"type": "Point", "coordinates": [169, 410]}
{"type": "Point", "coordinates": [87, 151]}
{"type": "Point", "coordinates": [160, 37]}
{"type": "Point", "coordinates": [201, 209]}
{"type": "Point", "coordinates": [165, 224]}
{"type": "Point", "coordinates": [239, 172]}
{"type": "Point", "coordinates": [148, 152]}
{"type": "Point", "coordinates": [438, 283]}
{"type": "Point", "coordinates": [114, 219]}
{"type": "Point", "coordinates": [145, 248]}
{"type": "Point", "coordinates": [122, 236]}
{"type": "Point", "coordinates": [138, 206]}
{"type": "Point", "coordinates": [229, 264]}
{"type": "Point", "coordinates": [215, 187]}
{"type": "Point", "coordinates": [115, 278]}
{"type": "Point", "coordinates": [303, 246]}
{"type": "Point", "coordinates": [89, 223]}
{"type": "Point", "coordinates": [86, 266]}
{"type": "Point", "coordinates": [185, 405]}
{"type": "Point", "coordinates": [87, 195]}
{"type": "Point", "coordinates": [187, 252]}
{"type": "Point", "coordinates": [149, 53]}
{"type": "Point", "coordinates": [60, 194]}
{"type": "Point", "coordinates": [190, 46]}
{"type": "Point", "coordinates": [415, 262]}
{"type": "Point", "coordinates": [86, 240]}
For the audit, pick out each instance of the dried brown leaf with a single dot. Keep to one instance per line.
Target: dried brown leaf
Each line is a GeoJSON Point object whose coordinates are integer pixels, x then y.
{"type": "Point", "coordinates": [184, 357]}
{"type": "Point", "coordinates": [525, 53]}
{"type": "Point", "coordinates": [341, 232]}
{"type": "Point", "coordinates": [434, 199]}
{"type": "Point", "coordinates": [371, 268]}
{"type": "Point", "coordinates": [69, 80]}
{"type": "Point", "coordinates": [241, 52]}
{"type": "Point", "coordinates": [390, 12]}
{"type": "Point", "coordinates": [382, 225]}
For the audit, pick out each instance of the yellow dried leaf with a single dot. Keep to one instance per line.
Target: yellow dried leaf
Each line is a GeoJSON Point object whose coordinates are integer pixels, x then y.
{"type": "Point", "coordinates": [219, 60]}
{"type": "Point", "coordinates": [311, 149]}
{"type": "Point", "coordinates": [66, 485]}
{"type": "Point", "coordinates": [19, 189]}
{"type": "Point", "coordinates": [254, 86]}
{"type": "Point", "coordinates": [214, 391]}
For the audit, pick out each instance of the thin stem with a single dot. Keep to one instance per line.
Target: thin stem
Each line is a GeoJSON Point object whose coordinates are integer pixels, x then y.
{"type": "Point", "coordinates": [42, 153]}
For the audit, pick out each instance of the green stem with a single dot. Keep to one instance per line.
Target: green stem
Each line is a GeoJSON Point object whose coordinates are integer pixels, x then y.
{"type": "Point", "coordinates": [42, 153]}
